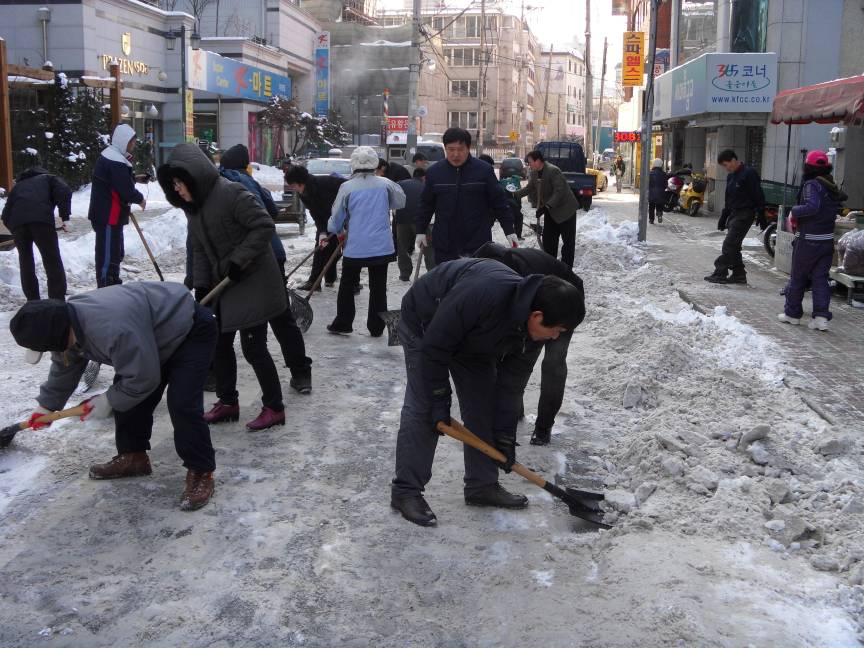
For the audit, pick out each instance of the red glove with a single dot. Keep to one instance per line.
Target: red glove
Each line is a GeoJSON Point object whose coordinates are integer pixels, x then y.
{"type": "Point", "coordinates": [342, 238]}
{"type": "Point", "coordinates": [793, 223]}
{"type": "Point", "coordinates": [33, 421]}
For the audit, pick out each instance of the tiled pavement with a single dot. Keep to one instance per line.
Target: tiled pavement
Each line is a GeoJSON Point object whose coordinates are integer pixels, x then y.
{"type": "Point", "coordinates": [831, 364]}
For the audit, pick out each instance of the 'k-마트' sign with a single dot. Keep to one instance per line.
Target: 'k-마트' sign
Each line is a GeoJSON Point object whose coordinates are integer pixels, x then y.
{"type": "Point", "coordinates": [720, 82]}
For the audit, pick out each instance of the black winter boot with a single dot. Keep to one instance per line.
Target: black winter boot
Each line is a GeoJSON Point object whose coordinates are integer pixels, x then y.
{"type": "Point", "coordinates": [414, 509]}
{"type": "Point", "coordinates": [498, 497]}
{"type": "Point", "coordinates": [716, 277]}
{"type": "Point", "coordinates": [301, 381]}
{"type": "Point", "coordinates": [541, 437]}
{"type": "Point", "coordinates": [738, 276]}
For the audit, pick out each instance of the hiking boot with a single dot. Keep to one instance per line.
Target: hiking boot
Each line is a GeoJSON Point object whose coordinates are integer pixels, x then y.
{"type": "Point", "coordinates": [266, 419]}
{"type": "Point", "coordinates": [818, 324]}
{"type": "Point", "coordinates": [199, 489]}
{"type": "Point", "coordinates": [302, 382]}
{"type": "Point", "coordinates": [329, 284]}
{"type": "Point", "coordinates": [404, 278]}
{"type": "Point", "coordinates": [542, 436]}
{"type": "Point", "coordinates": [222, 413]}
{"type": "Point", "coordinates": [339, 330]}
{"type": "Point", "coordinates": [414, 509]}
{"type": "Point", "coordinates": [794, 321]}
{"type": "Point", "coordinates": [128, 464]}
{"type": "Point", "coordinates": [716, 278]}
{"type": "Point", "coordinates": [496, 496]}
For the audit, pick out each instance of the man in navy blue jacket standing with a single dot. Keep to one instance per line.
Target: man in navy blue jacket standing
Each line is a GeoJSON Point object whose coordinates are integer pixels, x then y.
{"type": "Point", "coordinates": [460, 193]}
{"type": "Point", "coordinates": [112, 193]}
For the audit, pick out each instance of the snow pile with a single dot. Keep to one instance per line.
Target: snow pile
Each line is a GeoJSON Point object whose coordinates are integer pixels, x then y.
{"type": "Point", "coordinates": [164, 233]}
{"type": "Point", "coordinates": [595, 226]}
{"type": "Point", "coordinates": [151, 191]}
{"type": "Point", "coordinates": [692, 423]}
{"type": "Point", "coordinates": [271, 177]}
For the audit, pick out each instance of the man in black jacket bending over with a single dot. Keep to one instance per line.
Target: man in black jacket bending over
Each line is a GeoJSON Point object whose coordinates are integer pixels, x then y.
{"type": "Point", "coordinates": [467, 319]}
{"type": "Point", "coordinates": [318, 194]}
{"type": "Point", "coordinates": [525, 262]}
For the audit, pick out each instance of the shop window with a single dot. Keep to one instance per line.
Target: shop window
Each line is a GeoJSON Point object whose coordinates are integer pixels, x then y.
{"type": "Point", "coordinates": [697, 28]}
{"type": "Point", "coordinates": [749, 26]}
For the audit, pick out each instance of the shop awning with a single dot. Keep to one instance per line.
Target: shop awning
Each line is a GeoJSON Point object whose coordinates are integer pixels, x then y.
{"type": "Point", "coordinates": [825, 103]}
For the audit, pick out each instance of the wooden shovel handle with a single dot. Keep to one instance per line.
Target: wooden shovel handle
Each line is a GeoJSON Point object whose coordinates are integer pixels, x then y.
{"type": "Point", "coordinates": [78, 410]}
{"type": "Point", "coordinates": [146, 246]}
{"type": "Point", "coordinates": [299, 265]}
{"type": "Point", "coordinates": [327, 265]}
{"type": "Point", "coordinates": [466, 436]}
{"type": "Point", "coordinates": [213, 294]}
{"type": "Point", "coordinates": [417, 266]}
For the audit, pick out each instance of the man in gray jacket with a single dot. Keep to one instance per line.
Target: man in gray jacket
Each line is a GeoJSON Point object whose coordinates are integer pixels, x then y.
{"type": "Point", "coordinates": [155, 336]}
{"type": "Point", "coordinates": [555, 202]}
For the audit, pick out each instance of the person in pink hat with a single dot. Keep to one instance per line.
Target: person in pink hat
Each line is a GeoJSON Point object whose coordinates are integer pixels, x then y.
{"type": "Point", "coordinates": [812, 220]}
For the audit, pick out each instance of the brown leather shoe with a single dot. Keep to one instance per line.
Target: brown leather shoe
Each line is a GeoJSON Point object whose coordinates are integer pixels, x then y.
{"type": "Point", "coordinates": [129, 464]}
{"type": "Point", "coordinates": [199, 490]}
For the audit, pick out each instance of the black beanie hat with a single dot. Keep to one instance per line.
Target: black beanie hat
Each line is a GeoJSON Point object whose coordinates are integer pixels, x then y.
{"type": "Point", "coordinates": [236, 157]}
{"type": "Point", "coordinates": [42, 325]}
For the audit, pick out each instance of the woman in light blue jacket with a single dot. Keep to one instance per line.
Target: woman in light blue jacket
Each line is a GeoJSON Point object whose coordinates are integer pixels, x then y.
{"type": "Point", "coordinates": [362, 212]}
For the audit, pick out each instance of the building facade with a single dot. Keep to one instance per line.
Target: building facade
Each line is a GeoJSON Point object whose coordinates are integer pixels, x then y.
{"type": "Point", "coordinates": [564, 72]}
{"type": "Point", "coordinates": [83, 38]}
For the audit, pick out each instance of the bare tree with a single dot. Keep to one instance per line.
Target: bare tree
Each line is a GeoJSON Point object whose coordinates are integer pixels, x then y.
{"type": "Point", "coordinates": [169, 5]}
{"type": "Point", "coordinates": [197, 9]}
{"type": "Point", "coordinates": [236, 26]}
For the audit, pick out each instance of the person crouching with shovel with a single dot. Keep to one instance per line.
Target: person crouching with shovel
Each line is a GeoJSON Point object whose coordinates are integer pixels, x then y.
{"type": "Point", "coordinates": [155, 336]}
{"type": "Point", "coordinates": [459, 320]}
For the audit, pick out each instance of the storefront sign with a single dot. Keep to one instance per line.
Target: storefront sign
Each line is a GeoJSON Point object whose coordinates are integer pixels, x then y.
{"type": "Point", "coordinates": [723, 82]}
{"type": "Point", "coordinates": [628, 136]}
{"type": "Point", "coordinates": [633, 66]}
{"type": "Point", "coordinates": [224, 76]}
{"type": "Point", "coordinates": [322, 73]}
{"type": "Point", "coordinates": [397, 124]}
{"type": "Point", "coordinates": [190, 122]}
{"type": "Point", "coordinates": [127, 65]}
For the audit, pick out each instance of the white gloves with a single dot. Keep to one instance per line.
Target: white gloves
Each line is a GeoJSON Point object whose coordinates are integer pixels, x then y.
{"type": "Point", "coordinates": [96, 408]}
{"type": "Point", "coordinates": [59, 223]}
{"type": "Point", "coordinates": [323, 237]}
{"type": "Point", "coordinates": [421, 241]}
{"type": "Point", "coordinates": [513, 240]}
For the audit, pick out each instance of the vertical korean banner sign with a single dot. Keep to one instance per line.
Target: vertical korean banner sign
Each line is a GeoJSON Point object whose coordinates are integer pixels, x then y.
{"type": "Point", "coordinates": [322, 73]}
{"type": "Point", "coordinates": [633, 63]}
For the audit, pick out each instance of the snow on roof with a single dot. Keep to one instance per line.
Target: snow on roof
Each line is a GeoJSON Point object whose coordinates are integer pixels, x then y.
{"type": "Point", "coordinates": [24, 79]}
{"type": "Point", "coordinates": [386, 43]}
{"type": "Point", "coordinates": [161, 12]}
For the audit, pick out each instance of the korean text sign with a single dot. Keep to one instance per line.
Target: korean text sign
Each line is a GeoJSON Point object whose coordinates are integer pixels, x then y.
{"type": "Point", "coordinates": [633, 63]}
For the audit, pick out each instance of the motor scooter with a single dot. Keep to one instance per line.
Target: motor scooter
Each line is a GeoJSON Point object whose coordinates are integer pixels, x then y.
{"type": "Point", "coordinates": [693, 195]}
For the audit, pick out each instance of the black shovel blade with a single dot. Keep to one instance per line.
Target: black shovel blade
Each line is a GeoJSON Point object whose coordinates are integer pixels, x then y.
{"type": "Point", "coordinates": [391, 319]}
{"type": "Point", "coordinates": [7, 434]}
{"type": "Point", "coordinates": [586, 505]}
{"type": "Point", "coordinates": [301, 309]}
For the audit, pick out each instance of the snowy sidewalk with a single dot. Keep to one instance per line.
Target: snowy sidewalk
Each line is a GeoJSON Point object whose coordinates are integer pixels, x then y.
{"type": "Point", "coordinates": [835, 361]}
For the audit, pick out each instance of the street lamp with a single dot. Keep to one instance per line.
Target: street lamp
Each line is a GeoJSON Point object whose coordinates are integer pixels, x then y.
{"type": "Point", "coordinates": [170, 42]}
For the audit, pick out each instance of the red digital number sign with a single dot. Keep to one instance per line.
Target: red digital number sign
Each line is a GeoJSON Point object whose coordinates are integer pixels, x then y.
{"type": "Point", "coordinates": [630, 136]}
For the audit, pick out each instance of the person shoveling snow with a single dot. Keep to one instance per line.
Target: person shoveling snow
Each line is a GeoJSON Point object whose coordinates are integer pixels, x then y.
{"type": "Point", "coordinates": [155, 336]}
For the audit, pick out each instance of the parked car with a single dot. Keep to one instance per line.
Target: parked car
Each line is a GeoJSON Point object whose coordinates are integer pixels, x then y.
{"type": "Point", "coordinates": [602, 180]}
{"type": "Point", "coordinates": [570, 158]}
{"type": "Point", "coordinates": [513, 166]}
{"type": "Point", "coordinates": [434, 151]}
{"type": "Point", "coordinates": [330, 166]}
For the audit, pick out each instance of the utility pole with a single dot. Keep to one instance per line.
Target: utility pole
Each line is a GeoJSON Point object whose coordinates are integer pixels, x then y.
{"type": "Point", "coordinates": [543, 120]}
{"type": "Point", "coordinates": [589, 87]}
{"type": "Point", "coordinates": [481, 77]}
{"type": "Point", "coordinates": [647, 118]}
{"type": "Point", "coordinates": [596, 140]}
{"type": "Point", "coordinates": [414, 80]}
{"type": "Point", "coordinates": [520, 107]}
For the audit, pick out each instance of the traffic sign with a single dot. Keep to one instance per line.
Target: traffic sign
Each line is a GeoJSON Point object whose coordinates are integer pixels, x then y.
{"type": "Point", "coordinates": [514, 136]}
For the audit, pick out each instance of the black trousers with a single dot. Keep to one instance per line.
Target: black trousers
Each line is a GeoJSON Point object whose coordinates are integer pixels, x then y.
{"type": "Point", "coordinates": [566, 231]}
{"type": "Point", "coordinates": [654, 209]}
{"type": "Point", "coordinates": [184, 375]}
{"type": "Point", "coordinates": [406, 235]}
{"type": "Point", "coordinates": [291, 342]}
{"type": "Point", "coordinates": [253, 342]}
{"type": "Point", "coordinates": [320, 258]}
{"type": "Point", "coordinates": [45, 238]}
{"type": "Point", "coordinates": [516, 208]}
{"type": "Point", "coordinates": [475, 381]}
{"type": "Point", "coordinates": [553, 376]}
{"type": "Point", "coordinates": [109, 254]}
{"type": "Point", "coordinates": [345, 309]}
{"type": "Point", "coordinates": [737, 225]}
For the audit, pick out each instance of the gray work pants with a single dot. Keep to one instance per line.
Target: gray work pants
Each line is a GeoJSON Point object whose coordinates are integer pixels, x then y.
{"type": "Point", "coordinates": [474, 379]}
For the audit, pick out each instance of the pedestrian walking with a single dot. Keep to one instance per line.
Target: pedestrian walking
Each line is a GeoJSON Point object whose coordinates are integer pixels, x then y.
{"type": "Point", "coordinates": [235, 167]}
{"type": "Point", "coordinates": [361, 212]}
{"type": "Point", "coordinates": [744, 202]}
{"type": "Point", "coordinates": [812, 219]}
{"type": "Point", "coordinates": [156, 337]}
{"type": "Point", "coordinates": [526, 261]}
{"type": "Point", "coordinates": [405, 220]}
{"type": "Point", "coordinates": [618, 170]}
{"type": "Point", "coordinates": [459, 321]}
{"type": "Point", "coordinates": [656, 191]}
{"type": "Point", "coordinates": [29, 215]}
{"type": "Point", "coordinates": [317, 194]}
{"type": "Point", "coordinates": [419, 161]}
{"type": "Point", "coordinates": [231, 236]}
{"type": "Point", "coordinates": [111, 193]}
{"type": "Point", "coordinates": [556, 205]}
{"type": "Point", "coordinates": [461, 192]}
